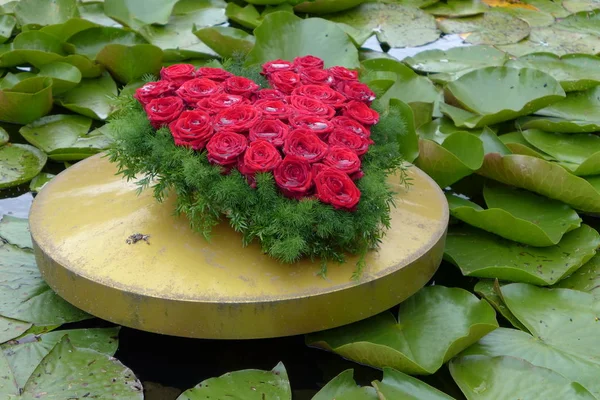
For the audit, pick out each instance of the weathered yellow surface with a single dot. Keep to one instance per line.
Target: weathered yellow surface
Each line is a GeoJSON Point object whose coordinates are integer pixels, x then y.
{"type": "Point", "coordinates": [182, 285]}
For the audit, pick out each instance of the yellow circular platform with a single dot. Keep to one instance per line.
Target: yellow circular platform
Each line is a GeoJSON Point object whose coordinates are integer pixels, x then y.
{"type": "Point", "coordinates": [182, 285]}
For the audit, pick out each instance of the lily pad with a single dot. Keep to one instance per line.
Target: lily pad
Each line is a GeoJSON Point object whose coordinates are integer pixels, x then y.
{"type": "Point", "coordinates": [92, 97]}
{"type": "Point", "coordinates": [587, 22]}
{"type": "Point", "coordinates": [393, 24]}
{"type": "Point", "coordinates": [397, 117]}
{"type": "Point", "coordinates": [19, 163]}
{"type": "Point", "coordinates": [32, 47]}
{"type": "Point", "coordinates": [127, 63]}
{"type": "Point", "coordinates": [396, 385]}
{"type": "Point", "coordinates": [532, 17]}
{"type": "Point", "coordinates": [7, 25]}
{"type": "Point", "coordinates": [94, 12]}
{"type": "Point", "coordinates": [64, 76]}
{"type": "Point", "coordinates": [91, 41]}
{"type": "Point", "coordinates": [282, 35]}
{"type": "Point", "coordinates": [457, 8]}
{"type": "Point", "coordinates": [483, 255]}
{"type": "Point", "coordinates": [552, 39]}
{"type": "Point", "coordinates": [493, 27]}
{"type": "Point", "coordinates": [227, 42]}
{"type": "Point", "coordinates": [495, 94]}
{"type": "Point", "coordinates": [517, 144]}
{"type": "Point", "coordinates": [38, 183]}
{"type": "Point", "coordinates": [87, 67]}
{"type": "Point", "coordinates": [326, 6]}
{"type": "Point", "coordinates": [15, 231]}
{"type": "Point", "coordinates": [490, 290]}
{"type": "Point", "coordinates": [553, 124]}
{"type": "Point", "coordinates": [248, 384]}
{"type": "Point", "coordinates": [553, 8]}
{"type": "Point", "coordinates": [580, 106]}
{"type": "Point", "coordinates": [585, 279]}
{"type": "Point", "coordinates": [456, 59]}
{"type": "Point", "coordinates": [452, 317]}
{"type": "Point", "coordinates": [67, 29]}
{"type": "Point", "coordinates": [135, 14]}
{"type": "Point", "coordinates": [341, 385]}
{"type": "Point", "coordinates": [11, 328]}
{"type": "Point", "coordinates": [247, 16]}
{"type": "Point", "coordinates": [581, 5]}
{"type": "Point", "coordinates": [4, 138]}
{"type": "Point", "coordinates": [45, 12]}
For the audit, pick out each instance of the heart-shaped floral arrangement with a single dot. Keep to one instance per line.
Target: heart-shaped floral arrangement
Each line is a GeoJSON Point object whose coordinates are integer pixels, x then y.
{"type": "Point", "coordinates": [294, 133]}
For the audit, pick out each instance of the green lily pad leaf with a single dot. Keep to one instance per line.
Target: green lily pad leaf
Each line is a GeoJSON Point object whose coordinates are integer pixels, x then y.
{"type": "Point", "coordinates": [483, 255]}
{"type": "Point", "coordinates": [496, 94]}
{"type": "Point", "coordinates": [16, 231]}
{"type": "Point", "coordinates": [575, 6]}
{"type": "Point", "coordinates": [227, 42]}
{"type": "Point", "coordinates": [326, 6]}
{"type": "Point", "coordinates": [11, 328]}
{"type": "Point", "coordinates": [92, 97]}
{"type": "Point", "coordinates": [4, 138]}
{"type": "Point", "coordinates": [456, 59]}
{"type": "Point", "coordinates": [585, 279]}
{"type": "Point", "coordinates": [10, 80]}
{"type": "Point", "coordinates": [45, 12]}
{"type": "Point", "coordinates": [338, 386]}
{"type": "Point", "coordinates": [532, 17]}
{"type": "Point", "coordinates": [66, 30]}
{"type": "Point", "coordinates": [32, 47]}
{"type": "Point", "coordinates": [381, 341]}
{"type": "Point", "coordinates": [25, 296]}
{"type": "Point", "coordinates": [580, 106]}
{"type": "Point", "coordinates": [7, 25]}
{"type": "Point", "coordinates": [38, 183]}
{"type": "Point", "coordinates": [397, 117]}
{"type": "Point", "coordinates": [91, 41]}
{"type": "Point", "coordinates": [554, 40]}
{"type": "Point", "coordinates": [490, 290]}
{"type": "Point", "coordinates": [550, 7]}
{"type": "Point", "coordinates": [127, 63]}
{"type": "Point", "coordinates": [587, 22]}
{"type": "Point", "coordinates": [457, 8]}
{"type": "Point", "coordinates": [246, 16]}
{"type": "Point", "coordinates": [493, 27]}
{"type": "Point", "coordinates": [396, 385]}
{"type": "Point", "coordinates": [94, 12]}
{"type": "Point", "coordinates": [248, 384]}
{"type": "Point", "coordinates": [517, 215]}
{"type": "Point", "coordinates": [282, 35]}
{"type": "Point", "coordinates": [517, 143]}
{"type": "Point", "coordinates": [19, 163]}
{"type": "Point", "coordinates": [552, 124]}
{"type": "Point", "coordinates": [527, 381]}
{"type": "Point", "coordinates": [64, 76]}
{"type": "Point", "coordinates": [135, 14]}
{"type": "Point", "coordinates": [396, 25]}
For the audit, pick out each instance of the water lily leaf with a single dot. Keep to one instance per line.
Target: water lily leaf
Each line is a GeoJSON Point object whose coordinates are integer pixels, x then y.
{"type": "Point", "coordinates": [25, 296]}
{"type": "Point", "coordinates": [585, 279]}
{"type": "Point", "coordinates": [527, 381]}
{"type": "Point", "coordinates": [456, 59]}
{"type": "Point", "coordinates": [19, 163]}
{"type": "Point", "coordinates": [64, 76]}
{"type": "Point", "coordinates": [285, 36]}
{"type": "Point", "coordinates": [15, 231]}
{"type": "Point", "coordinates": [396, 385]}
{"type": "Point", "coordinates": [396, 25]}
{"type": "Point", "coordinates": [246, 16]}
{"type": "Point", "coordinates": [7, 24]}
{"type": "Point", "coordinates": [87, 67]}
{"type": "Point", "coordinates": [587, 22]}
{"type": "Point", "coordinates": [552, 39]}
{"type": "Point", "coordinates": [227, 42]}
{"type": "Point", "coordinates": [92, 97]}
{"type": "Point", "coordinates": [177, 43]}
{"type": "Point", "coordinates": [32, 47]}
{"type": "Point", "coordinates": [38, 183]}
{"type": "Point", "coordinates": [397, 117]}
{"type": "Point", "coordinates": [3, 137]}
{"type": "Point", "coordinates": [483, 255]}
{"type": "Point", "coordinates": [69, 28]}
{"type": "Point", "coordinates": [326, 6]}
{"type": "Point", "coordinates": [91, 41]}
{"type": "Point", "coordinates": [552, 124]}
{"type": "Point", "coordinates": [581, 5]}
{"type": "Point", "coordinates": [532, 17]}
{"type": "Point", "coordinates": [580, 106]}
{"type": "Point", "coordinates": [457, 8]}
{"type": "Point", "coordinates": [338, 386]}
{"type": "Point", "coordinates": [135, 14]}
{"type": "Point", "coordinates": [495, 94]}
{"type": "Point", "coordinates": [45, 12]}
{"type": "Point", "coordinates": [11, 328]}
{"type": "Point", "coordinates": [574, 71]}
{"type": "Point", "coordinates": [381, 341]}
{"type": "Point", "coordinates": [127, 63]}
{"type": "Point", "coordinates": [26, 101]}
{"type": "Point", "coordinates": [493, 27]}
{"type": "Point", "coordinates": [10, 80]}
{"type": "Point", "coordinates": [550, 7]}
{"type": "Point", "coordinates": [490, 290]}
{"type": "Point", "coordinates": [248, 384]}
{"type": "Point", "coordinates": [519, 145]}
{"type": "Point", "coordinates": [94, 12]}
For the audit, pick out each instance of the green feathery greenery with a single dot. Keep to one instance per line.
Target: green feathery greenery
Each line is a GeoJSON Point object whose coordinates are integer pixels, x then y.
{"type": "Point", "coordinates": [287, 229]}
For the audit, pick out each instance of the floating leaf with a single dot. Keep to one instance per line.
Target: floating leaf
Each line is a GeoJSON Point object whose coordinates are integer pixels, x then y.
{"type": "Point", "coordinates": [553, 8]}
{"type": "Point", "coordinates": [16, 231]}
{"type": "Point", "coordinates": [456, 59]}
{"type": "Point", "coordinates": [38, 183]}
{"type": "Point", "coordinates": [457, 8]}
{"type": "Point", "coordinates": [338, 386]}
{"type": "Point", "coordinates": [19, 163]}
{"type": "Point", "coordinates": [87, 67]}
{"type": "Point", "coordinates": [94, 12]}
{"type": "Point", "coordinates": [580, 106]}
{"type": "Point", "coordinates": [91, 41]}
{"type": "Point", "coordinates": [65, 30]}
{"type": "Point", "coordinates": [249, 384]}
{"type": "Point", "coordinates": [134, 13]}
{"type": "Point", "coordinates": [490, 290]}
{"type": "Point", "coordinates": [396, 25]}
{"type": "Point", "coordinates": [285, 36]}
{"type": "Point", "coordinates": [483, 255]}
{"type": "Point", "coordinates": [326, 6]}
{"type": "Point", "coordinates": [64, 76]}
{"type": "Point", "coordinates": [92, 97]}
{"type": "Point", "coordinates": [586, 22]}
{"type": "Point", "coordinates": [45, 12]}
{"type": "Point", "coordinates": [396, 385]}
{"type": "Point", "coordinates": [396, 116]}
{"type": "Point", "coordinates": [493, 27]}
{"type": "Point", "coordinates": [11, 328]}
{"type": "Point", "coordinates": [7, 24]}
{"type": "Point", "coordinates": [127, 63]}
{"type": "Point", "coordinates": [585, 279]}
{"type": "Point", "coordinates": [246, 16]}
{"type": "Point", "coordinates": [552, 124]}
{"type": "Point", "coordinates": [32, 47]}
{"type": "Point", "coordinates": [532, 17]}
{"type": "Point", "coordinates": [227, 42]}
{"type": "Point", "coordinates": [581, 5]}
{"type": "Point", "coordinates": [554, 40]}
{"type": "Point", "coordinates": [3, 137]}
{"type": "Point", "coordinates": [452, 317]}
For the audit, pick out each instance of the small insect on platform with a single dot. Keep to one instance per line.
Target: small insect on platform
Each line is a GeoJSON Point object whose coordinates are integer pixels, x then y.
{"type": "Point", "coordinates": [127, 259]}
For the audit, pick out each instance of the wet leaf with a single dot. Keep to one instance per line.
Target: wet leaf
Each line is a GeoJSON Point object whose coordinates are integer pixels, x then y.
{"type": "Point", "coordinates": [552, 124]}
{"type": "Point", "coordinates": [283, 35]}
{"type": "Point", "coordinates": [552, 39]}
{"type": "Point", "coordinates": [10, 329]}
{"type": "Point", "coordinates": [15, 231]}
{"type": "Point", "coordinates": [490, 291]}
{"type": "Point", "coordinates": [38, 183]}
{"type": "Point", "coordinates": [91, 41]}
{"type": "Point", "coordinates": [45, 12]}
{"type": "Point", "coordinates": [456, 59]}
{"type": "Point", "coordinates": [396, 25]}
{"type": "Point", "coordinates": [127, 63]}
{"type": "Point", "coordinates": [585, 279]}
{"type": "Point", "coordinates": [381, 341]}
{"type": "Point", "coordinates": [396, 385]}
{"type": "Point", "coordinates": [457, 8]}
{"type": "Point", "coordinates": [484, 255]}
{"type": "Point", "coordinates": [64, 76]}
{"type": "Point", "coordinates": [227, 42]}
{"type": "Point", "coordinates": [581, 5]}
{"type": "Point", "coordinates": [493, 27]}
{"type": "Point", "coordinates": [326, 6]}
{"type": "Point", "coordinates": [579, 106]}
{"type": "Point", "coordinates": [586, 22]}
{"type": "Point", "coordinates": [135, 14]}
{"type": "Point", "coordinates": [19, 163]}
{"type": "Point", "coordinates": [7, 24]}
{"type": "Point", "coordinates": [92, 98]}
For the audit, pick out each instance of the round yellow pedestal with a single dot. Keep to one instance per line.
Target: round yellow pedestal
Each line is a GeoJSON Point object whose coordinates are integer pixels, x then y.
{"type": "Point", "coordinates": [179, 284]}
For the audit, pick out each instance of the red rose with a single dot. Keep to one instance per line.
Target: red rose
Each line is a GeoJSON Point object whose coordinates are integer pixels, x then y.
{"type": "Point", "coordinates": [154, 90]}
{"type": "Point", "coordinates": [305, 144]}
{"type": "Point", "coordinates": [221, 101]}
{"type": "Point", "coordinates": [164, 110]}
{"type": "Point", "coordinates": [214, 74]}
{"type": "Point", "coordinates": [195, 90]}
{"type": "Point", "coordinates": [275, 109]}
{"type": "Point", "coordinates": [240, 86]}
{"type": "Point", "coordinates": [361, 112]}
{"type": "Point", "coordinates": [356, 91]}
{"type": "Point", "coordinates": [342, 159]}
{"type": "Point", "coordinates": [178, 73]}
{"type": "Point", "coordinates": [284, 81]}
{"type": "Point", "coordinates": [343, 74]}
{"type": "Point", "coordinates": [308, 62]}
{"type": "Point", "coordinates": [294, 177]}
{"type": "Point", "coordinates": [306, 105]}
{"type": "Point", "coordinates": [317, 167]}
{"type": "Point", "coordinates": [272, 130]}
{"type": "Point", "coordinates": [316, 77]}
{"type": "Point", "coordinates": [322, 93]}
{"type": "Point", "coordinates": [351, 125]}
{"type": "Point", "coordinates": [225, 147]}
{"type": "Point", "coordinates": [237, 118]}
{"type": "Point", "coordinates": [276, 65]}
{"type": "Point", "coordinates": [192, 129]}
{"type": "Point", "coordinates": [341, 137]}
{"type": "Point", "coordinates": [336, 188]}
{"type": "Point", "coordinates": [261, 156]}
{"type": "Point", "coordinates": [318, 125]}
{"type": "Point", "coordinates": [270, 94]}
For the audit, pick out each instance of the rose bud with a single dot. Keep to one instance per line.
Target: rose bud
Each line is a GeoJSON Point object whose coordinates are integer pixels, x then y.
{"type": "Point", "coordinates": [214, 74]}
{"type": "Point", "coordinates": [237, 118]}
{"type": "Point", "coordinates": [305, 144]}
{"type": "Point", "coordinates": [342, 137]}
{"type": "Point", "coordinates": [322, 93]}
{"type": "Point", "coordinates": [225, 147]}
{"type": "Point", "coordinates": [276, 65]}
{"type": "Point", "coordinates": [192, 129]}
{"type": "Point", "coordinates": [342, 159]}
{"type": "Point", "coordinates": [272, 130]}
{"type": "Point", "coordinates": [154, 90]}
{"type": "Point", "coordinates": [240, 86]}
{"type": "Point", "coordinates": [195, 90]}
{"type": "Point", "coordinates": [308, 62]}
{"type": "Point", "coordinates": [164, 110]}
{"type": "Point", "coordinates": [306, 105]}
{"type": "Point", "coordinates": [336, 188]}
{"type": "Point", "coordinates": [293, 176]}
{"type": "Point", "coordinates": [361, 113]}
{"type": "Point", "coordinates": [178, 73]}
